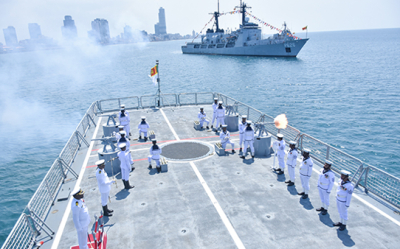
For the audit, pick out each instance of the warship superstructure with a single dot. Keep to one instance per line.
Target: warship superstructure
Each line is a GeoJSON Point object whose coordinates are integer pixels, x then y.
{"type": "Point", "coordinates": [245, 41]}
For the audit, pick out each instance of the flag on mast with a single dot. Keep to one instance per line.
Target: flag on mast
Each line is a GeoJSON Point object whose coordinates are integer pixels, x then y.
{"type": "Point", "coordinates": [154, 74]}
{"type": "Point", "coordinates": [304, 28]}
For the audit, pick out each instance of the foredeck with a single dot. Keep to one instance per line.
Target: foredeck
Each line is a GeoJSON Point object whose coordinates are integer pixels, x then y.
{"type": "Point", "coordinates": [215, 202]}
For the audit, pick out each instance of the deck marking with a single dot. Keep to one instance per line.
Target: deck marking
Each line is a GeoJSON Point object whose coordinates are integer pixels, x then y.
{"type": "Point", "coordinates": [60, 230]}
{"type": "Point", "coordinates": [214, 201]}
{"type": "Point", "coordinates": [169, 124]}
{"type": "Point", "coordinates": [221, 212]}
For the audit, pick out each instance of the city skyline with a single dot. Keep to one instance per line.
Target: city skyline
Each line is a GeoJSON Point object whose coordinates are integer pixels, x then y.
{"type": "Point", "coordinates": [184, 17]}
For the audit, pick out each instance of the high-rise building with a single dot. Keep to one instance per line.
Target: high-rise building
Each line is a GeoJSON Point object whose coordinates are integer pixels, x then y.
{"type": "Point", "coordinates": [100, 31]}
{"type": "Point", "coordinates": [161, 27]}
{"type": "Point", "coordinates": [128, 33]}
{"type": "Point", "coordinates": [34, 31]}
{"type": "Point", "coordinates": [10, 36]}
{"type": "Point", "coordinates": [193, 33]}
{"type": "Point", "coordinates": [69, 29]}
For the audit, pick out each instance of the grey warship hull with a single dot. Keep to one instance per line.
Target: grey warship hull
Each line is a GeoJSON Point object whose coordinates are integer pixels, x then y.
{"type": "Point", "coordinates": [286, 49]}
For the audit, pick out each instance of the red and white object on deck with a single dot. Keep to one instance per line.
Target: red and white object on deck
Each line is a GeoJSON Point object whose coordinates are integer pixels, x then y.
{"type": "Point", "coordinates": [99, 240]}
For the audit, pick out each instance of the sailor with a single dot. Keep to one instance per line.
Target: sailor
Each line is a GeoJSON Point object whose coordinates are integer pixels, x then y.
{"type": "Point", "coordinates": [325, 183]}
{"type": "Point", "coordinates": [248, 140]}
{"type": "Point", "coordinates": [124, 120]}
{"type": "Point", "coordinates": [305, 172]}
{"type": "Point", "coordinates": [214, 106]}
{"type": "Point", "coordinates": [242, 128]}
{"type": "Point", "coordinates": [117, 134]}
{"type": "Point", "coordinates": [343, 197]}
{"type": "Point", "coordinates": [220, 112]}
{"type": "Point", "coordinates": [123, 108]}
{"type": "Point", "coordinates": [143, 126]}
{"type": "Point", "coordinates": [126, 165]}
{"type": "Point", "coordinates": [225, 138]}
{"type": "Point", "coordinates": [281, 145]}
{"type": "Point", "coordinates": [80, 216]}
{"type": "Point", "coordinates": [292, 162]}
{"type": "Point", "coordinates": [104, 186]}
{"type": "Point", "coordinates": [123, 139]}
{"type": "Point", "coordinates": [155, 154]}
{"type": "Point", "coordinates": [202, 118]}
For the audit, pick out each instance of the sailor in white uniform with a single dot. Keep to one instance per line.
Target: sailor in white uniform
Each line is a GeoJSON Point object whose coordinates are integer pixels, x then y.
{"type": "Point", "coordinates": [142, 127]}
{"type": "Point", "coordinates": [80, 216]}
{"type": "Point", "coordinates": [202, 116]}
{"type": "Point", "coordinates": [123, 139]}
{"type": "Point", "coordinates": [124, 120]}
{"type": "Point", "coordinates": [214, 107]}
{"type": "Point", "coordinates": [242, 128]}
{"type": "Point", "coordinates": [220, 115]}
{"type": "Point", "coordinates": [291, 162]}
{"type": "Point", "coordinates": [123, 108]}
{"type": "Point", "coordinates": [155, 154]}
{"type": "Point", "coordinates": [117, 134]}
{"type": "Point", "coordinates": [225, 138]}
{"type": "Point", "coordinates": [326, 180]}
{"type": "Point", "coordinates": [248, 140]}
{"type": "Point", "coordinates": [126, 164]}
{"type": "Point", "coordinates": [281, 145]}
{"type": "Point", "coordinates": [104, 185]}
{"type": "Point", "coordinates": [343, 197]}
{"type": "Point", "coordinates": [305, 172]}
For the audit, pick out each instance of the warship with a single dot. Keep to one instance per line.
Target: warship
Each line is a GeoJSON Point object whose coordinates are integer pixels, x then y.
{"type": "Point", "coordinates": [245, 41]}
{"type": "Point", "coordinates": [206, 197]}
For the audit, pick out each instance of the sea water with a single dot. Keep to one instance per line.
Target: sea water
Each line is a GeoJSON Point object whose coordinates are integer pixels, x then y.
{"type": "Point", "coordinates": [343, 88]}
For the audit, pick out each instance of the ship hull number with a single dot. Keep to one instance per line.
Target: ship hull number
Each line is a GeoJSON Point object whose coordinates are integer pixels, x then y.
{"type": "Point", "coordinates": [289, 45]}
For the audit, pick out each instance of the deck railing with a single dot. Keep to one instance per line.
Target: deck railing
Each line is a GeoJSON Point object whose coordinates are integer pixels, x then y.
{"type": "Point", "coordinates": [30, 224]}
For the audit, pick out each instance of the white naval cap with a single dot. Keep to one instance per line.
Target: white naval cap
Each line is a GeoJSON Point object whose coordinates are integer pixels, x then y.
{"type": "Point", "coordinates": [215, 98]}
{"type": "Point", "coordinates": [100, 162]}
{"type": "Point", "coordinates": [244, 116]}
{"type": "Point", "coordinates": [122, 145]}
{"type": "Point", "coordinates": [219, 102]}
{"type": "Point", "coordinates": [279, 135]}
{"type": "Point", "coordinates": [154, 140]}
{"type": "Point", "coordinates": [122, 132]}
{"type": "Point", "coordinates": [328, 162]}
{"type": "Point", "coordinates": [345, 172]}
{"type": "Point", "coordinates": [77, 190]}
{"type": "Point", "coordinates": [224, 126]}
{"type": "Point", "coordinates": [306, 150]}
{"type": "Point", "coordinates": [120, 127]}
{"type": "Point", "coordinates": [143, 117]}
{"type": "Point", "coordinates": [248, 122]}
{"type": "Point", "coordinates": [122, 106]}
{"type": "Point", "coordinates": [292, 142]}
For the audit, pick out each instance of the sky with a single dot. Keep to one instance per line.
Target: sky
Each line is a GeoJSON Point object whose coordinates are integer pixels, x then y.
{"type": "Point", "coordinates": [184, 16]}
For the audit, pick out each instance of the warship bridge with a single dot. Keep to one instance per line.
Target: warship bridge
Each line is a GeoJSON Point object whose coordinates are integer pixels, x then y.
{"type": "Point", "coordinates": [205, 200]}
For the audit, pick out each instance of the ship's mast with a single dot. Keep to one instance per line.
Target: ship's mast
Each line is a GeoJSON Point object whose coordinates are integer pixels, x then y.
{"type": "Point", "coordinates": [216, 15]}
{"type": "Point", "coordinates": [243, 8]}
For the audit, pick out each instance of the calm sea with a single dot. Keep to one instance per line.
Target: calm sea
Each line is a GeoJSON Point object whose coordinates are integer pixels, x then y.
{"type": "Point", "coordinates": [343, 88]}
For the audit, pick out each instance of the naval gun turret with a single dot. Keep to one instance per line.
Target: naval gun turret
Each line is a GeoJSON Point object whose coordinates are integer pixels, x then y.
{"type": "Point", "coordinates": [111, 125]}
{"type": "Point", "coordinates": [109, 153]}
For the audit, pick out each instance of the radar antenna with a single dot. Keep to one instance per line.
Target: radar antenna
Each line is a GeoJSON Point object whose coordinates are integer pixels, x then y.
{"type": "Point", "coordinates": [216, 15]}
{"type": "Point", "coordinates": [243, 8]}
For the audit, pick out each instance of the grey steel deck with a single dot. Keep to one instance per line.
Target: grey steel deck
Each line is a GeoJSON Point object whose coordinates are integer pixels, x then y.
{"type": "Point", "coordinates": [173, 209]}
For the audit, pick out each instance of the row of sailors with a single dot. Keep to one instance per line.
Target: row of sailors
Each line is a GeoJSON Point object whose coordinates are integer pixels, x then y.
{"type": "Point", "coordinates": [326, 179]}
{"type": "Point", "coordinates": [80, 212]}
{"type": "Point", "coordinates": [125, 120]}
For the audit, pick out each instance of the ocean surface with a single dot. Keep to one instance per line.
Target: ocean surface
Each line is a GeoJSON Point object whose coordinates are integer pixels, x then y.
{"type": "Point", "coordinates": [343, 88]}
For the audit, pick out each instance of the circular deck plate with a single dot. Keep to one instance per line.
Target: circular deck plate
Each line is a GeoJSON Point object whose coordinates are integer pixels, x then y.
{"type": "Point", "coordinates": [186, 150]}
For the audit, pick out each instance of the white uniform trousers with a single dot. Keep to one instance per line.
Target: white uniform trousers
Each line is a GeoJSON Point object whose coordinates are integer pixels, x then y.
{"type": "Point", "coordinates": [228, 142]}
{"type": "Point", "coordinates": [144, 132]}
{"type": "Point", "coordinates": [213, 118]}
{"type": "Point", "coordinates": [292, 174]}
{"type": "Point", "coordinates": [241, 139]}
{"type": "Point", "coordinates": [202, 122]}
{"type": "Point", "coordinates": [341, 206]}
{"type": "Point", "coordinates": [157, 160]}
{"type": "Point", "coordinates": [324, 196]}
{"type": "Point", "coordinates": [220, 121]}
{"type": "Point", "coordinates": [281, 160]}
{"type": "Point", "coordinates": [125, 174]}
{"type": "Point", "coordinates": [248, 143]}
{"type": "Point", "coordinates": [305, 182]}
{"type": "Point", "coordinates": [127, 129]}
{"type": "Point", "coordinates": [104, 198]}
{"type": "Point", "coordinates": [82, 238]}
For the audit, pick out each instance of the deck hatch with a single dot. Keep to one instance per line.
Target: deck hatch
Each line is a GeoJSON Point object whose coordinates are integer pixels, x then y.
{"type": "Point", "coordinates": [186, 150]}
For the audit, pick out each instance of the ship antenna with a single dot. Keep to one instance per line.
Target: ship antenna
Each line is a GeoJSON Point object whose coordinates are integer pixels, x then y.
{"type": "Point", "coordinates": [216, 15]}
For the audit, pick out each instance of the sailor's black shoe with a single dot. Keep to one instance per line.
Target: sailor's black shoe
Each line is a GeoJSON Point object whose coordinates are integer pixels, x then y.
{"type": "Point", "coordinates": [145, 139]}
{"type": "Point", "coordinates": [337, 224]}
{"type": "Point", "coordinates": [150, 167]}
{"type": "Point", "coordinates": [233, 151]}
{"type": "Point", "coordinates": [320, 209]}
{"type": "Point", "coordinates": [208, 127]}
{"type": "Point", "coordinates": [105, 211]}
{"type": "Point", "coordinates": [109, 210]}
{"type": "Point", "coordinates": [252, 156]}
{"type": "Point", "coordinates": [305, 196]}
{"type": "Point", "coordinates": [291, 184]}
{"type": "Point", "coordinates": [288, 181]}
{"type": "Point", "coordinates": [342, 227]}
{"type": "Point", "coordinates": [281, 172]}
{"type": "Point", "coordinates": [140, 137]}
{"type": "Point", "coordinates": [158, 169]}
{"type": "Point", "coordinates": [302, 193]}
{"type": "Point", "coordinates": [212, 126]}
{"type": "Point", "coordinates": [240, 150]}
{"type": "Point", "coordinates": [243, 157]}
{"type": "Point", "coordinates": [324, 212]}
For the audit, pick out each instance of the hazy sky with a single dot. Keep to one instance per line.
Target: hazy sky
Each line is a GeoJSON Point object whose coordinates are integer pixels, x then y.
{"type": "Point", "coordinates": [183, 16]}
